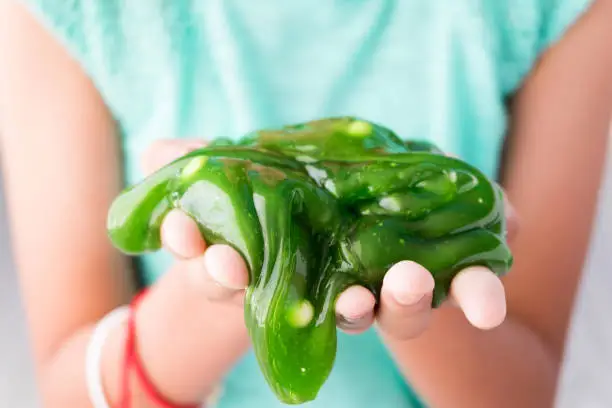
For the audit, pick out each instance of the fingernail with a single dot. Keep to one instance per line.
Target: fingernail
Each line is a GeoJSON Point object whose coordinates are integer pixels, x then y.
{"type": "Point", "coordinates": [408, 283]}
{"type": "Point", "coordinates": [221, 265]}
{"type": "Point", "coordinates": [219, 277]}
{"type": "Point", "coordinates": [407, 298]}
{"type": "Point", "coordinates": [352, 323]}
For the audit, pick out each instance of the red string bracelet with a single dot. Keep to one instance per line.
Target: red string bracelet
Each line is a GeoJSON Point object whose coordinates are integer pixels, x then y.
{"type": "Point", "coordinates": [132, 360]}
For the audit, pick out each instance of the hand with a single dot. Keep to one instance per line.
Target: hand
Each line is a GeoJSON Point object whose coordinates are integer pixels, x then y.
{"type": "Point", "coordinates": [221, 276]}
{"type": "Point", "coordinates": [191, 324]}
{"type": "Point", "coordinates": [405, 304]}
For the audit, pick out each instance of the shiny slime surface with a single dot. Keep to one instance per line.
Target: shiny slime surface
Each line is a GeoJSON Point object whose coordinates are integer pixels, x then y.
{"type": "Point", "coordinates": [315, 208]}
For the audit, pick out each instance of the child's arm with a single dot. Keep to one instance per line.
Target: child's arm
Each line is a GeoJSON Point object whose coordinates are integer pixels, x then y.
{"type": "Point", "coordinates": [60, 155]}
{"type": "Point", "coordinates": [559, 130]}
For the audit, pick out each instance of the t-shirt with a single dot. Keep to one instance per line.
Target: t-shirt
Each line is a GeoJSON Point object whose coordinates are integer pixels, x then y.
{"type": "Point", "coordinates": [434, 70]}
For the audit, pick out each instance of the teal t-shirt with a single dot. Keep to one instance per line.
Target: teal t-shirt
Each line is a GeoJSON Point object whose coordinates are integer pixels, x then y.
{"type": "Point", "coordinates": [428, 69]}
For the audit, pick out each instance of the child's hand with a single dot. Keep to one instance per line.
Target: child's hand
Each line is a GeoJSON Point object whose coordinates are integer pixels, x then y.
{"type": "Point", "coordinates": [219, 272]}
{"type": "Point", "coordinates": [195, 306]}
{"type": "Point", "coordinates": [405, 305]}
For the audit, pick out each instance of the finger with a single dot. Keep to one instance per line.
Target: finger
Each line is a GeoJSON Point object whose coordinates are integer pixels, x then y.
{"type": "Point", "coordinates": [181, 236]}
{"type": "Point", "coordinates": [512, 220]}
{"type": "Point", "coordinates": [406, 294]}
{"type": "Point", "coordinates": [221, 274]}
{"type": "Point", "coordinates": [355, 309]}
{"type": "Point", "coordinates": [162, 152]}
{"type": "Point", "coordinates": [481, 296]}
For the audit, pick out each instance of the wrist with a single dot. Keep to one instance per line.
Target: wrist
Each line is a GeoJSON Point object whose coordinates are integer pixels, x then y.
{"type": "Point", "coordinates": [181, 369]}
{"type": "Point", "coordinates": [186, 352]}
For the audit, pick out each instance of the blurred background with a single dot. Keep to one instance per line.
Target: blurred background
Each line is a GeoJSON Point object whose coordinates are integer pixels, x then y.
{"type": "Point", "coordinates": [586, 376]}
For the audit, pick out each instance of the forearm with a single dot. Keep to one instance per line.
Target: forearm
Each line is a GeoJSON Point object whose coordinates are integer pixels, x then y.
{"type": "Point", "coordinates": [505, 367]}
{"type": "Point", "coordinates": [185, 368]}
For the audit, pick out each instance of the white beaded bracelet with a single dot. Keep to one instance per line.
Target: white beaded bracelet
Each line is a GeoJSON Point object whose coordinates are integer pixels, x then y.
{"type": "Point", "coordinates": [214, 397]}
{"type": "Point", "coordinates": [93, 358]}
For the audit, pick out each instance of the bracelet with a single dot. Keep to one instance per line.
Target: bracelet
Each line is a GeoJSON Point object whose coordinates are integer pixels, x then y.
{"type": "Point", "coordinates": [132, 360]}
{"type": "Point", "coordinates": [93, 360]}
{"type": "Point", "coordinates": [93, 357]}
{"type": "Point", "coordinates": [214, 397]}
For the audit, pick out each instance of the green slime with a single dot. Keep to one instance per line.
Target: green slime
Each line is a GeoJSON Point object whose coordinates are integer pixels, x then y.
{"type": "Point", "coordinates": [315, 208]}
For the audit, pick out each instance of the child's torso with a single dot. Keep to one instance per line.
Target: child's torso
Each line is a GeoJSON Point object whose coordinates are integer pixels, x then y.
{"type": "Point", "coordinates": [436, 70]}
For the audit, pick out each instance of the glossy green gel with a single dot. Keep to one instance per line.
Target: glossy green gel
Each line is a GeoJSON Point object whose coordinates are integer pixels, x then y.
{"type": "Point", "coordinates": [315, 208]}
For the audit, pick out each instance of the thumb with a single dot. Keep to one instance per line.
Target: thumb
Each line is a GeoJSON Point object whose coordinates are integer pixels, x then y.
{"type": "Point", "coordinates": [512, 219]}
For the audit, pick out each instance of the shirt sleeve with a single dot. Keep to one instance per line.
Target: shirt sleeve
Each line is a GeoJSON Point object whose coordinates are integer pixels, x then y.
{"type": "Point", "coordinates": [526, 29]}
{"type": "Point", "coordinates": [558, 17]}
{"type": "Point", "coordinates": [89, 30]}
